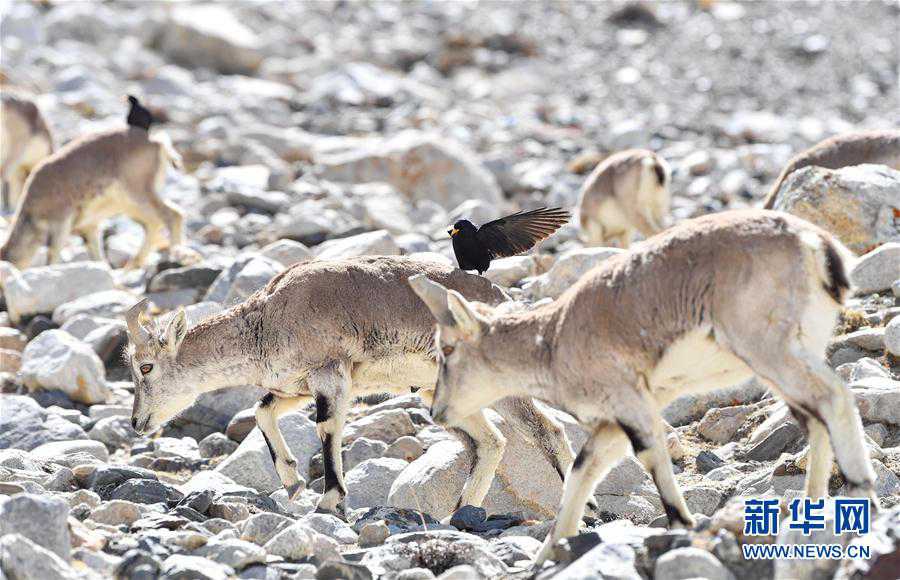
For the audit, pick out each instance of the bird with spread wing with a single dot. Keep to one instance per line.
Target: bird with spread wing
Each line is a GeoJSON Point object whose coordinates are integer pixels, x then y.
{"type": "Point", "coordinates": [507, 236]}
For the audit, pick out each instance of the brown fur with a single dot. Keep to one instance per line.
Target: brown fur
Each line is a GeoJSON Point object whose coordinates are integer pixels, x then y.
{"type": "Point", "coordinates": [87, 181]}
{"type": "Point", "coordinates": [25, 139]}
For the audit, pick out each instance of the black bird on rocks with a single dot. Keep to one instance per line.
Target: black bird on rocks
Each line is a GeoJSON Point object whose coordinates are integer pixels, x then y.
{"type": "Point", "coordinates": [138, 116]}
{"type": "Point", "coordinates": [500, 238]}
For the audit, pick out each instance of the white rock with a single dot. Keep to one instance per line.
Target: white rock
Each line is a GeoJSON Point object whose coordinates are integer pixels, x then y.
{"type": "Point", "coordinates": [892, 337]}
{"type": "Point", "coordinates": [566, 271]}
{"type": "Point", "coordinates": [253, 276]}
{"type": "Point", "coordinates": [40, 290]}
{"type": "Point", "coordinates": [183, 566]}
{"type": "Point", "coordinates": [379, 243]}
{"type": "Point", "coordinates": [251, 464]}
{"type": "Point", "coordinates": [418, 165]}
{"type": "Point", "coordinates": [369, 483]}
{"type": "Point", "coordinates": [878, 269]}
{"type": "Point", "coordinates": [105, 304]}
{"type": "Point", "coordinates": [208, 35]}
{"type": "Point", "coordinates": [300, 541]}
{"type": "Point", "coordinates": [525, 480]}
{"type": "Point", "coordinates": [41, 519]}
{"type": "Point", "coordinates": [878, 399]}
{"type": "Point", "coordinates": [509, 271]}
{"type": "Point", "coordinates": [56, 360]}
{"type": "Point", "coordinates": [288, 252]}
{"type": "Point", "coordinates": [856, 203]}
{"type": "Point", "coordinates": [685, 563]}
{"type": "Point", "coordinates": [20, 557]}
{"type": "Point", "coordinates": [61, 449]}
{"type": "Point", "coordinates": [332, 527]}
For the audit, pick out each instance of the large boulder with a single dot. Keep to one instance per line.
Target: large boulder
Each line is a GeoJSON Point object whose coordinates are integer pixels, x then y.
{"type": "Point", "coordinates": [56, 360]}
{"type": "Point", "coordinates": [379, 242]}
{"type": "Point", "coordinates": [251, 464]}
{"type": "Point", "coordinates": [40, 290]}
{"type": "Point", "coordinates": [25, 425]}
{"type": "Point", "coordinates": [20, 557]}
{"type": "Point", "coordinates": [419, 165]}
{"type": "Point", "coordinates": [369, 483]}
{"type": "Point", "coordinates": [210, 36]}
{"type": "Point", "coordinates": [525, 479]}
{"type": "Point", "coordinates": [41, 519]}
{"type": "Point", "coordinates": [566, 271]}
{"type": "Point", "coordinates": [856, 204]}
{"type": "Point", "coordinates": [878, 269]}
{"type": "Point", "coordinates": [105, 304]}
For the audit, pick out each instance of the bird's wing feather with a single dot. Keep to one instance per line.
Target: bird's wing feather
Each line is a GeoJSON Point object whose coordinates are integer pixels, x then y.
{"type": "Point", "coordinates": [519, 232]}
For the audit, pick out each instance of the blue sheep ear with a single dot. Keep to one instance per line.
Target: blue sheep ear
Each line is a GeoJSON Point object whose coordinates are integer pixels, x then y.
{"type": "Point", "coordinates": [435, 298]}
{"type": "Point", "coordinates": [176, 331]}
{"type": "Point", "coordinates": [468, 322]}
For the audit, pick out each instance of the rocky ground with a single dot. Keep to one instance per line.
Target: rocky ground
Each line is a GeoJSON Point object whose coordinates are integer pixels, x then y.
{"type": "Point", "coordinates": [322, 131]}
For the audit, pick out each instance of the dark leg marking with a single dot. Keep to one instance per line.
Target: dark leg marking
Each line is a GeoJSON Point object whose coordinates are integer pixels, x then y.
{"type": "Point", "coordinates": [672, 512]}
{"type": "Point", "coordinates": [271, 448]}
{"type": "Point", "coordinates": [331, 478]}
{"type": "Point", "coordinates": [637, 445]}
{"type": "Point", "coordinates": [323, 409]}
{"type": "Point", "coordinates": [837, 273]}
{"type": "Point", "coordinates": [267, 400]}
{"type": "Point", "coordinates": [801, 417]}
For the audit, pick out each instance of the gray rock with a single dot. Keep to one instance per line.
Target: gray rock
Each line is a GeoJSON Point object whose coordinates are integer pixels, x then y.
{"type": "Point", "coordinates": [251, 464]}
{"type": "Point", "coordinates": [786, 569]}
{"type": "Point", "coordinates": [525, 479]}
{"type": "Point", "coordinates": [41, 519]}
{"type": "Point", "coordinates": [146, 491]}
{"type": "Point", "coordinates": [407, 448]}
{"type": "Point", "coordinates": [373, 534]}
{"type": "Point", "coordinates": [567, 269]}
{"type": "Point", "coordinates": [418, 165]}
{"type": "Point", "coordinates": [438, 550]}
{"type": "Point", "coordinates": [210, 36]}
{"type": "Point", "coordinates": [183, 567]}
{"type": "Point", "coordinates": [114, 432]}
{"type": "Point", "coordinates": [369, 483]}
{"type": "Point", "coordinates": [387, 426]}
{"type": "Point", "coordinates": [771, 446]}
{"type": "Point", "coordinates": [878, 399]}
{"type": "Point", "coordinates": [866, 339]}
{"type": "Point", "coordinates": [56, 360]}
{"type": "Point", "coordinates": [198, 278]}
{"type": "Point", "coordinates": [216, 445]}
{"type": "Point", "coordinates": [106, 304]}
{"type": "Point", "coordinates": [854, 203]}
{"type": "Point", "coordinates": [22, 558]}
{"type": "Point", "coordinates": [614, 560]}
{"type": "Point", "coordinates": [892, 337]}
{"type": "Point", "coordinates": [116, 512]}
{"type": "Point", "coordinates": [299, 541]}
{"type": "Point", "coordinates": [25, 425]}
{"type": "Point", "coordinates": [234, 553]}
{"type": "Point", "coordinates": [689, 408]}
{"type": "Point", "coordinates": [262, 527]}
{"type": "Point", "coordinates": [362, 449]}
{"type": "Point", "coordinates": [877, 270]}
{"type": "Point", "coordinates": [379, 242]}
{"type": "Point", "coordinates": [41, 290]}
{"type": "Point", "coordinates": [721, 423]}
{"type": "Point", "coordinates": [241, 425]}
{"type": "Point", "coordinates": [287, 252]}
{"type": "Point", "coordinates": [686, 563]}
{"type": "Point", "coordinates": [106, 478]}
{"type": "Point", "coordinates": [708, 461]}
{"type": "Point", "coordinates": [254, 275]}
{"type": "Point", "coordinates": [331, 526]}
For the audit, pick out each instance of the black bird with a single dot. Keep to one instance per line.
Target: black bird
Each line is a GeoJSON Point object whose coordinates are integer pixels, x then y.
{"type": "Point", "coordinates": [138, 116]}
{"type": "Point", "coordinates": [507, 236]}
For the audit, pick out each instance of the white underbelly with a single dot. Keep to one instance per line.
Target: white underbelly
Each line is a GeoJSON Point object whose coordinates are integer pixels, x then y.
{"type": "Point", "coordinates": [395, 373]}
{"type": "Point", "coordinates": [696, 363]}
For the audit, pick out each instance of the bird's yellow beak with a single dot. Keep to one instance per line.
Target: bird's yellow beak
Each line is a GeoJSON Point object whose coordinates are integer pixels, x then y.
{"type": "Point", "coordinates": [453, 232]}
